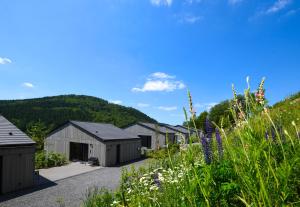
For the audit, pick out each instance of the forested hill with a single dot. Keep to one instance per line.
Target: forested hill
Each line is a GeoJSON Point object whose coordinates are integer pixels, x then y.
{"type": "Point", "coordinates": [56, 110]}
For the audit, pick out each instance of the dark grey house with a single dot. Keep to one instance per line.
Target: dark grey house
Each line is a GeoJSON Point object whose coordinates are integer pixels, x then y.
{"type": "Point", "coordinates": [16, 158]}
{"type": "Point", "coordinates": [83, 140]}
{"type": "Point", "coordinates": [181, 135]}
{"type": "Point", "coordinates": [153, 135]}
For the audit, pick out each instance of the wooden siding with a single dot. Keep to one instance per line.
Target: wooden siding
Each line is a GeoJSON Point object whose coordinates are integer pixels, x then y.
{"type": "Point", "coordinates": [17, 167]}
{"type": "Point", "coordinates": [140, 130]}
{"type": "Point", "coordinates": [129, 150]}
{"type": "Point", "coordinates": [104, 151]}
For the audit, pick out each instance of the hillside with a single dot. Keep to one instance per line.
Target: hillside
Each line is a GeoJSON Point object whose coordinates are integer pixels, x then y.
{"type": "Point", "coordinates": [56, 110]}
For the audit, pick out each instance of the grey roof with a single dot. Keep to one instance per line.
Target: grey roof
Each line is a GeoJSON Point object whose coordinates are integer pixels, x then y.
{"type": "Point", "coordinates": [157, 127]}
{"type": "Point", "coordinates": [186, 129]}
{"type": "Point", "coordinates": [104, 132]}
{"type": "Point", "coordinates": [11, 135]}
{"type": "Point", "coordinates": [178, 129]}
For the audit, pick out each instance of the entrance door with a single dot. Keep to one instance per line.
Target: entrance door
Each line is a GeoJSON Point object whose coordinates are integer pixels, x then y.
{"type": "Point", "coordinates": [118, 154]}
{"type": "Point", "coordinates": [79, 151]}
{"type": "Point", "coordinates": [1, 168]}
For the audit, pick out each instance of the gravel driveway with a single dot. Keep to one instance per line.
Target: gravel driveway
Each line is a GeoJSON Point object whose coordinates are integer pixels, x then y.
{"type": "Point", "coordinates": [67, 192]}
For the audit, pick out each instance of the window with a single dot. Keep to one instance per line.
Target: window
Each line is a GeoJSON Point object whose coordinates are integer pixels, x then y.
{"type": "Point", "coordinates": [146, 141]}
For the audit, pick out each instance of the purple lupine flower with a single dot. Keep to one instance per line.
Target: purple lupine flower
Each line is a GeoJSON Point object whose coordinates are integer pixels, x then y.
{"type": "Point", "coordinates": [208, 128]}
{"type": "Point", "coordinates": [219, 143]}
{"type": "Point", "coordinates": [156, 180]}
{"type": "Point", "coordinates": [267, 135]}
{"type": "Point", "coordinates": [206, 149]}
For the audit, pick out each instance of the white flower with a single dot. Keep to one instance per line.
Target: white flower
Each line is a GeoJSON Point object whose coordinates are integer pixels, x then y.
{"type": "Point", "coordinates": [153, 187]}
{"type": "Point", "coordinates": [293, 123]}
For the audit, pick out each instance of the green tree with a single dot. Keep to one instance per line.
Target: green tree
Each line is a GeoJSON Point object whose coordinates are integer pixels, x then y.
{"type": "Point", "coordinates": [200, 120]}
{"type": "Point", "coordinates": [37, 131]}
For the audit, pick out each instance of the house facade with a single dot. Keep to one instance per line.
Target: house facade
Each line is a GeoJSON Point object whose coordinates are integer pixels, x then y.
{"type": "Point", "coordinates": [153, 136]}
{"type": "Point", "coordinates": [83, 140]}
{"type": "Point", "coordinates": [17, 153]}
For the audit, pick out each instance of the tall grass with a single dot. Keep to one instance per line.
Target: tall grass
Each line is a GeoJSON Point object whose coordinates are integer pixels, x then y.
{"type": "Point", "coordinates": [256, 162]}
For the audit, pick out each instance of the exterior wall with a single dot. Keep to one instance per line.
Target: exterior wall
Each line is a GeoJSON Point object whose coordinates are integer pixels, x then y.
{"type": "Point", "coordinates": [17, 167]}
{"type": "Point", "coordinates": [60, 142]}
{"type": "Point", "coordinates": [140, 130]}
{"type": "Point", "coordinates": [129, 150]}
{"type": "Point", "coordinates": [105, 151]}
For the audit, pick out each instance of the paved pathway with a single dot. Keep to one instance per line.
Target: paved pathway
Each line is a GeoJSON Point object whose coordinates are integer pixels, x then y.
{"type": "Point", "coordinates": [69, 170]}
{"type": "Point", "coordinates": [68, 192]}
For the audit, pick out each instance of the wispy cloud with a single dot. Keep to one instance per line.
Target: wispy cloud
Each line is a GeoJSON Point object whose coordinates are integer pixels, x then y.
{"type": "Point", "coordinates": [234, 2]}
{"type": "Point", "coordinates": [277, 6]}
{"type": "Point", "coordinates": [192, 1]}
{"type": "Point", "coordinates": [4, 60]}
{"type": "Point", "coordinates": [189, 18]}
{"type": "Point", "coordinates": [167, 108]}
{"type": "Point", "coordinates": [28, 85]}
{"type": "Point", "coordinates": [205, 106]}
{"type": "Point", "coordinates": [116, 101]}
{"type": "Point", "coordinates": [162, 75]}
{"type": "Point", "coordinates": [161, 2]}
{"type": "Point", "coordinates": [160, 82]}
{"type": "Point", "coordinates": [143, 105]}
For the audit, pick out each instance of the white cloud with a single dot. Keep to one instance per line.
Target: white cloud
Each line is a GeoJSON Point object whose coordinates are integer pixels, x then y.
{"type": "Point", "coordinates": [160, 82]}
{"type": "Point", "coordinates": [28, 85]}
{"type": "Point", "coordinates": [161, 75]}
{"type": "Point", "coordinates": [190, 19]}
{"type": "Point", "coordinates": [4, 61]}
{"type": "Point", "coordinates": [167, 108]}
{"type": "Point", "coordinates": [234, 2]}
{"type": "Point", "coordinates": [192, 1]}
{"type": "Point", "coordinates": [205, 106]}
{"type": "Point", "coordinates": [277, 6]}
{"type": "Point", "coordinates": [143, 105]}
{"type": "Point", "coordinates": [161, 2]}
{"type": "Point", "coordinates": [116, 101]}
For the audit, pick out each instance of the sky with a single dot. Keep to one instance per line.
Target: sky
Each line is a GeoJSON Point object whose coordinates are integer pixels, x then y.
{"type": "Point", "coordinates": [147, 54]}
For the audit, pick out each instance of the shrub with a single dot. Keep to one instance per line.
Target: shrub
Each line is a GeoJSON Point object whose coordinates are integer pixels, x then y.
{"type": "Point", "coordinates": [51, 159]}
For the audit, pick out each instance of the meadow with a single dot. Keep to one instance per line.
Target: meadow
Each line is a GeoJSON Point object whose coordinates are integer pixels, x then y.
{"type": "Point", "coordinates": [254, 162]}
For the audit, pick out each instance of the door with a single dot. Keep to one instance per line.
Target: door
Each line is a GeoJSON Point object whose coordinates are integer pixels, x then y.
{"type": "Point", "coordinates": [146, 141]}
{"type": "Point", "coordinates": [118, 154]}
{"type": "Point", "coordinates": [1, 168]}
{"type": "Point", "coordinates": [79, 151]}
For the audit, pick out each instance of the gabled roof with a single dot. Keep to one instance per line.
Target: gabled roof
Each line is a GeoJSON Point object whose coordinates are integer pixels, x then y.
{"type": "Point", "coordinates": [177, 129]}
{"type": "Point", "coordinates": [103, 132]}
{"type": "Point", "coordinates": [157, 127]}
{"type": "Point", "coordinates": [186, 129]}
{"type": "Point", "coordinates": [11, 135]}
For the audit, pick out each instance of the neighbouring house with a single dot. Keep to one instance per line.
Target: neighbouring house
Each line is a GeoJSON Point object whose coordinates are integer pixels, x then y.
{"type": "Point", "coordinates": [84, 140]}
{"type": "Point", "coordinates": [181, 133]}
{"type": "Point", "coordinates": [193, 131]}
{"type": "Point", "coordinates": [153, 136]}
{"type": "Point", "coordinates": [17, 152]}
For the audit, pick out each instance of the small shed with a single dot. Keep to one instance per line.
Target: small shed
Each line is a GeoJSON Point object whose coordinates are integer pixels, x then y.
{"type": "Point", "coordinates": [16, 158]}
{"type": "Point", "coordinates": [153, 135]}
{"type": "Point", "coordinates": [85, 140]}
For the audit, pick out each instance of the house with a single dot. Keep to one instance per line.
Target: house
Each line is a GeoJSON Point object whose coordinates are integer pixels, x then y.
{"type": "Point", "coordinates": [181, 133]}
{"type": "Point", "coordinates": [153, 136]}
{"type": "Point", "coordinates": [193, 131]}
{"type": "Point", "coordinates": [16, 158]}
{"type": "Point", "coordinates": [84, 140]}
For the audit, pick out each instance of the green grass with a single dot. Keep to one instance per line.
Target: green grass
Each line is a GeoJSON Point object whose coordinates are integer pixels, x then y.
{"type": "Point", "coordinates": [254, 170]}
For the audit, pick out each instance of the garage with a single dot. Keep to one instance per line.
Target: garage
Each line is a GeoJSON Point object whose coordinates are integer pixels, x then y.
{"type": "Point", "coordinates": [107, 143]}
{"type": "Point", "coordinates": [16, 158]}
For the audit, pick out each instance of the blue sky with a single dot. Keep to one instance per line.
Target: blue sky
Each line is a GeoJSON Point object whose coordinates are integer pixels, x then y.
{"type": "Point", "coordinates": [147, 53]}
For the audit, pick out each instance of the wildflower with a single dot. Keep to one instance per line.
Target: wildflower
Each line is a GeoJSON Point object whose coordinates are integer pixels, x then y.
{"type": "Point", "coordinates": [192, 110]}
{"type": "Point", "coordinates": [153, 188]}
{"type": "Point", "coordinates": [267, 135]}
{"type": "Point", "coordinates": [260, 94]}
{"type": "Point", "coordinates": [293, 123]}
{"type": "Point", "coordinates": [208, 129]}
{"type": "Point", "coordinates": [219, 142]}
{"type": "Point", "coordinates": [206, 149]}
{"type": "Point", "coordinates": [273, 133]}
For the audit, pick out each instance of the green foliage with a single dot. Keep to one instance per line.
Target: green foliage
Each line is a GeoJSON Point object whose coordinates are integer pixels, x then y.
{"type": "Point", "coordinates": [37, 131]}
{"type": "Point", "coordinates": [254, 170]}
{"type": "Point", "coordinates": [96, 197]}
{"type": "Point", "coordinates": [163, 153]}
{"type": "Point", "coordinates": [55, 111]}
{"type": "Point", "coordinates": [51, 159]}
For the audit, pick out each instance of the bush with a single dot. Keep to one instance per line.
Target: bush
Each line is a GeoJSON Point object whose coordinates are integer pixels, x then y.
{"type": "Point", "coordinates": [51, 159]}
